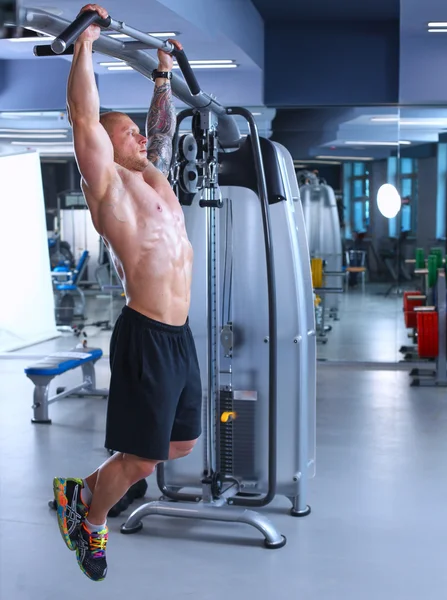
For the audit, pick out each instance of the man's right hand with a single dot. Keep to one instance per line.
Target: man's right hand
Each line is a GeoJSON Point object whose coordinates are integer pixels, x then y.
{"type": "Point", "coordinates": [92, 32]}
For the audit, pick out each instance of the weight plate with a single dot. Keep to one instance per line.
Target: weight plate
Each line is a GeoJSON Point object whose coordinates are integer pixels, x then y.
{"type": "Point", "coordinates": [427, 324]}
{"type": "Point", "coordinates": [438, 252]}
{"type": "Point", "coordinates": [420, 258]}
{"type": "Point", "coordinates": [432, 265]}
{"type": "Point", "coordinates": [317, 272]}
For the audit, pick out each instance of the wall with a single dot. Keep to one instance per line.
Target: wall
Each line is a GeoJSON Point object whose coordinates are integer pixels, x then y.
{"type": "Point", "coordinates": [22, 81]}
{"type": "Point", "coordinates": [331, 64]}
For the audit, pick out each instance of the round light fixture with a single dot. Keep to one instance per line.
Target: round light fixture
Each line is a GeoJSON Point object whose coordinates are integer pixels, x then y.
{"type": "Point", "coordinates": [388, 200]}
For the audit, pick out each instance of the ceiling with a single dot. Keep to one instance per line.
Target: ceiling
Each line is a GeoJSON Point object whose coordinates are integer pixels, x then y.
{"type": "Point", "coordinates": [209, 31]}
{"type": "Point", "coordinates": [328, 10]}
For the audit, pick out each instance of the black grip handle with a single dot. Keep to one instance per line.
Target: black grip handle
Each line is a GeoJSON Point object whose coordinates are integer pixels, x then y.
{"type": "Point", "coordinates": [47, 50]}
{"type": "Point", "coordinates": [79, 25]}
{"type": "Point", "coordinates": [187, 71]}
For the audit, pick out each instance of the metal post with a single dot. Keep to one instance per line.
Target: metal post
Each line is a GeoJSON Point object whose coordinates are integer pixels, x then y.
{"type": "Point", "coordinates": [213, 354]}
{"type": "Point", "coordinates": [40, 405]}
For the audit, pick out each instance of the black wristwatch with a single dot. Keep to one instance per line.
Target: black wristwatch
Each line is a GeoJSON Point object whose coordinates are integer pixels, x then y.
{"type": "Point", "coordinates": [163, 74]}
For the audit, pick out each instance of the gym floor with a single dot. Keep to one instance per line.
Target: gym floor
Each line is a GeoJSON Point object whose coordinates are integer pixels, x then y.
{"type": "Point", "coordinates": [377, 527]}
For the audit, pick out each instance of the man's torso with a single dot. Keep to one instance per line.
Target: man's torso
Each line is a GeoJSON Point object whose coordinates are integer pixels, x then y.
{"type": "Point", "coordinates": [144, 229]}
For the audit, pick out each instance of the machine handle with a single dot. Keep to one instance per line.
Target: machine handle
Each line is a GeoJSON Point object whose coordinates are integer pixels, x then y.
{"type": "Point", "coordinates": [46, 50]}
{"type": "Point", "coordinates": [187, 71]}
{"type": "Point", "coordinates": [74, 30]}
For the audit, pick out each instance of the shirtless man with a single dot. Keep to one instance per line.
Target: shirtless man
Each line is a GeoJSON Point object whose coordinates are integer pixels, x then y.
{"type": "Point", "coordinates": [154, 406]}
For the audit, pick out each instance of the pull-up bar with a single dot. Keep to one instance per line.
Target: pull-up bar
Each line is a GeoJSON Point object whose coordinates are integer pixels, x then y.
{"type": "Point", "coordinates": [132, 53]}
{"type": "Point", "coordinates": [87, 18]}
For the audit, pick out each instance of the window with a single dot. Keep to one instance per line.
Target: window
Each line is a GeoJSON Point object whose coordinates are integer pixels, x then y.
{"type": "Point", "coordinates": [441, 197]}
{"type": "Point", "coordinates": [359, 189]}
{"type": "Point", "coordinates": [406, 183]}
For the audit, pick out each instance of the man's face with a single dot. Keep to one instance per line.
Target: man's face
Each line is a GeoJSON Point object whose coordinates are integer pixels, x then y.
{"type": "Point", "coordinates": [129, 145]}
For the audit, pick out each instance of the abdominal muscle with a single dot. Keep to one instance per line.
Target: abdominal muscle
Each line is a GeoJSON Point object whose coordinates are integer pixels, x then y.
{"type": "Point", "coordinates": [150, 249]}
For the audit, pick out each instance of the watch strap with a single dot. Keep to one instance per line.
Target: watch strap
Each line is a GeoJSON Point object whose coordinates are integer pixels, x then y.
{"type": "Point", "coordinates": [163, 74]}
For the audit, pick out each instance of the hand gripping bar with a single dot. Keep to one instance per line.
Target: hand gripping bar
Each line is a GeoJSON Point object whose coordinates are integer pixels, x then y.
{"type": "Point", "coordinates": [87, 18]}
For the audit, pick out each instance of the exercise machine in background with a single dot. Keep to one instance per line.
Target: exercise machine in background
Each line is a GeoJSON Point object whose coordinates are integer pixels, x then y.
{"type": "Point", "coordinates": [252, 280]}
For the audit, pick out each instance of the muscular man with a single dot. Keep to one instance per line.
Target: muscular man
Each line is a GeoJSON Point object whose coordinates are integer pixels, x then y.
{"type": "Point", "coordinates": [154, 406]}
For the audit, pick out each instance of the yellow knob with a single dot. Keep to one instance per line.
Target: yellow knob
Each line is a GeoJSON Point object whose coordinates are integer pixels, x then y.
{"type": "Point", "coordinates": [228, 416]}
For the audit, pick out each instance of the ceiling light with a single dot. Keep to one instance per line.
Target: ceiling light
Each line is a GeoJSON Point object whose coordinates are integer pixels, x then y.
{"type": "Point", "coordinates": [3, 130]}
{"type": "Point", "coordinates": [255, 114]}
{"type": "Point", "coordinates": [388, 201]}
{"type": "Point", "coordinates": [121, 68]}
{"type": "Point", "coordinates": [123, 36]}
{"type": "Point", "coordinates": [47, 38]}
{"type": "Point", "coordinates": [116, 63]}
{"type": "Point", "coordinates": [437, 30]}
{"type": "Point", "coordinates": [218, 61]}
{"type": "Point", "coordinates": [20, 115]}
{"type": "Point", "coordinates": [42, 144]}
{"type": "Point", "coordinates": [348, 157]}
{"type": "Point", "coordinates": [384, 119]}
{"type": "Point", "coordinates": [377, 143]}
{"type": "Point", "coordinates": [438, 24]}
{"type": "Point", "coordinates": [232, 66]}
{"type": "Point", "coordinates": [433, 123]}
{"type": "Point", "coordinates": [37, 136]}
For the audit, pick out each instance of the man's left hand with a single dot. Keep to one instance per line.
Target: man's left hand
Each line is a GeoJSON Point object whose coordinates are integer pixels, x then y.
{"type": "Point", "coordinates": [165, 61]}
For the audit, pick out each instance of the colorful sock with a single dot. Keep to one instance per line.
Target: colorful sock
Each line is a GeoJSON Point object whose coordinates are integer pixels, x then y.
{"type": "Point", "coordinates": [86, 494]}
{"type": "Point", "coordinates": [94, 528]}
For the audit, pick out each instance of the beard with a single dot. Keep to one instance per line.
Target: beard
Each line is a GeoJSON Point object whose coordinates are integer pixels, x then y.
{"type": "Point", "coordinates": [132, 163]}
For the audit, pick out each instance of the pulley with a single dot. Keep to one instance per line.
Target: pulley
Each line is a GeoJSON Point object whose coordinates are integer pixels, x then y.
{"type": "Point", "coordinates": [189, 178]}
{"type": "Point", "coordinates": [188, 147]}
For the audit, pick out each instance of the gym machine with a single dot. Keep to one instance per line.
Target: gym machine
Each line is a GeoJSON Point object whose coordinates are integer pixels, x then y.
{"type": "Point", "coordinates": [323, 232]}
{"type": "Point", "coordinates": [256, 347]}
{"type": "Point", "coordinates": [425, 314]}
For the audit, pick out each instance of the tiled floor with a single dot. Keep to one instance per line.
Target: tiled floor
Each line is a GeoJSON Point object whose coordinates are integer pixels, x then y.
{"type": "Point", "coordinates": [377, 528]}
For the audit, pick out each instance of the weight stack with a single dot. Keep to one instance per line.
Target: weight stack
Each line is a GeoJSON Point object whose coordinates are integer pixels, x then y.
{"type": "Point", "coordinates": [237, 437]}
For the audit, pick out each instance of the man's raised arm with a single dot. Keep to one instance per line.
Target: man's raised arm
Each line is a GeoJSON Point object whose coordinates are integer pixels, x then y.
{"type": "Point", "coordinates": [92, 145]}
{"type": "Point", "coordinates": [161, 118]}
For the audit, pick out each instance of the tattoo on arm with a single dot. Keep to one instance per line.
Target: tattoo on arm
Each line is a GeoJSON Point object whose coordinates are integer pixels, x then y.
{"type": "Point", "coordinates": [160, 128]}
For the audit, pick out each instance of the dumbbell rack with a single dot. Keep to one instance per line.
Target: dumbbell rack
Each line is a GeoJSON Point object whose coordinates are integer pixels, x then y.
{"type": "Point", "coordinates": [433, 318]}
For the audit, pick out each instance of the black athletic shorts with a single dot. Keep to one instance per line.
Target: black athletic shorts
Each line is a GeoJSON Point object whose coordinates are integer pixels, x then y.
{"type": "Point", "coordinates": [155, 392]}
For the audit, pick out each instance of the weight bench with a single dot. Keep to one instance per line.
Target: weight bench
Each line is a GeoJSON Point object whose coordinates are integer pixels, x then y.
{"type": "Point", "coordinates": [42, 373]}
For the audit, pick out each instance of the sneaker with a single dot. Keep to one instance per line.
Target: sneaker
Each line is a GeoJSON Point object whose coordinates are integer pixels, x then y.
{"type": "Point", "coordinates": [71, 511]}
{"type": "Point", "coordinates": [91, 552]}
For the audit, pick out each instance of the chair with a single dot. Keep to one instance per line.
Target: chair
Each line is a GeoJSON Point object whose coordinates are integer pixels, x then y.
{"type": "Point", "coordinates": [355, 266]}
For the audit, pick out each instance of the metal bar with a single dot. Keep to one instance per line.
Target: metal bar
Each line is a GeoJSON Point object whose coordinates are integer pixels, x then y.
{"type": "Point", "coordinates": [87, 18]}
{"type": "Point", "coordinates": [142, 62]}
{"type": "Point", "coordinates": [208, 512]}
{"type": "Point", "coordinates": [271, 282]}
{"type": "Point", "coordinates": [78, 26]}
{"type": "Point", "coordinates": [149, 41]}
{"type": "Point", "coordinates": [66, 393]}
{"type": "Point", "coordinates": [213, 357]}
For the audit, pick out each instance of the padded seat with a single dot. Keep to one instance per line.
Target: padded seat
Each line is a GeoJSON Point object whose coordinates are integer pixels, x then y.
{"type": "Point", "coordinates": [43, 372]}
{"type": "Point", "coordinates": [61, 362]}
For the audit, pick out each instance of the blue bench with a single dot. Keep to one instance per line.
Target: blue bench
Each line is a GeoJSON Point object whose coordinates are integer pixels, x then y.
{"type": "Point", "coordinates": [44, 371]}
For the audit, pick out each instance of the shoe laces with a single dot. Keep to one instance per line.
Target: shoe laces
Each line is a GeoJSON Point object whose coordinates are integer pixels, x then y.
{"type": "Point", "coordinates": [97, 541]}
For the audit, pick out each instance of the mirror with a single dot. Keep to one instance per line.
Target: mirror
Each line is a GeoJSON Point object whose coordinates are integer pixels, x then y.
{"type": "Point", "coordinates": [343, 157]}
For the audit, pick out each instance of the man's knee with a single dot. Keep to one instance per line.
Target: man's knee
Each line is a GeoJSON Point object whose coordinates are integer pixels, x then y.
{"type": "Point", "coordinates": [139, 467]}
{"type": "Point", "coordinates": [181, 449]}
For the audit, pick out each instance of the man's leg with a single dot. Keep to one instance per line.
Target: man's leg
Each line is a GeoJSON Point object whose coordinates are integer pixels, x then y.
{"type": "Point", "coordinates": [112, 480]}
